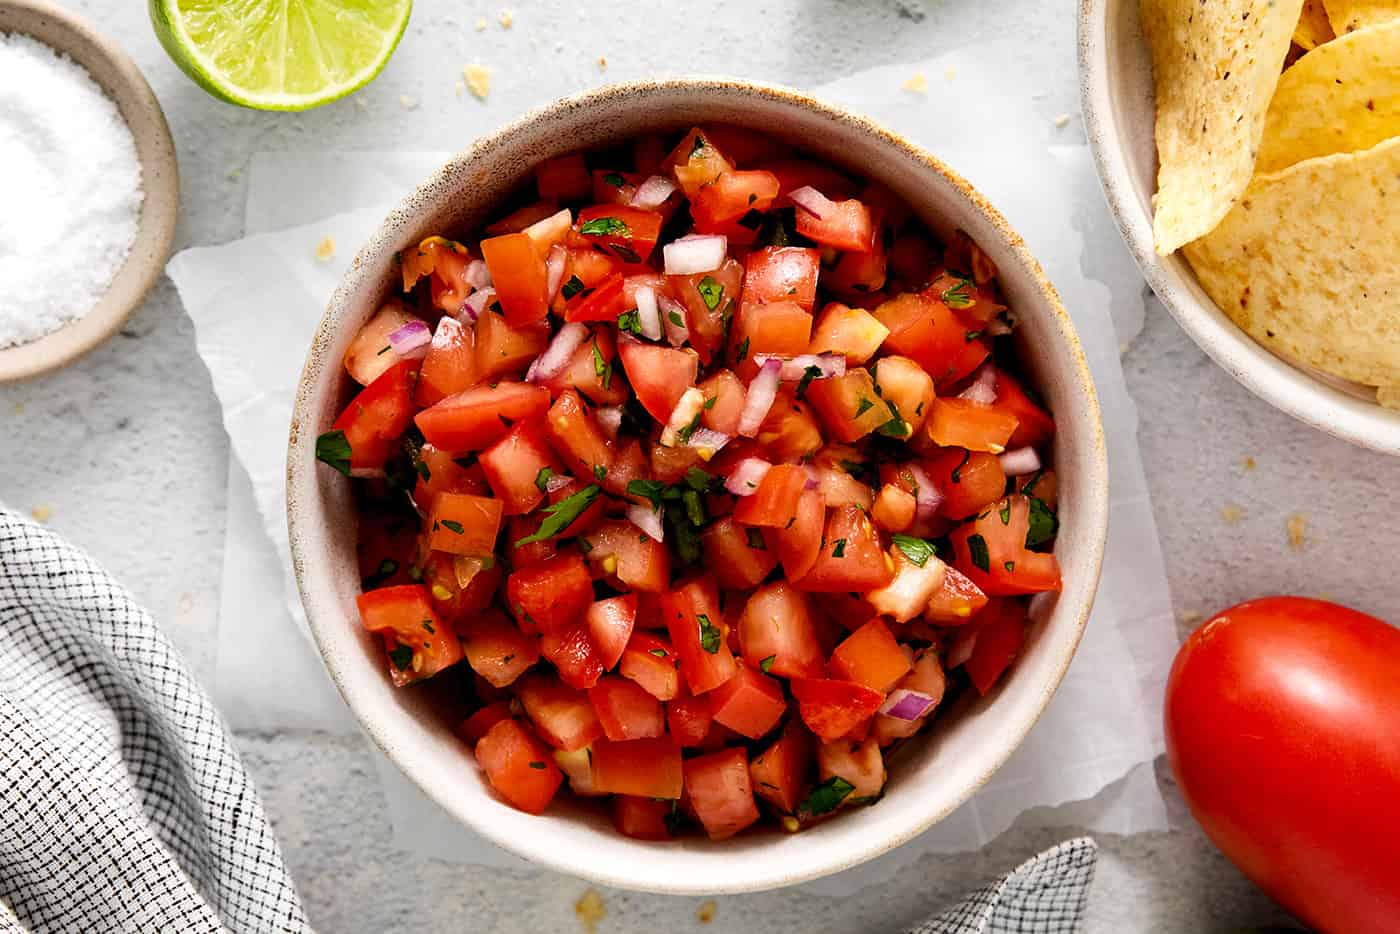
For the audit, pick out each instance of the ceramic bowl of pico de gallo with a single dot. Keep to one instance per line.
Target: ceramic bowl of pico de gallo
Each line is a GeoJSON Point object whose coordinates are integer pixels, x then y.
{"type": "Point", "coordinates": [695, 487]}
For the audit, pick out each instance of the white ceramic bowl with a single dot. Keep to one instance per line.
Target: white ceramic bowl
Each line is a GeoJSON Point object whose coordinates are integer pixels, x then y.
{"type": "Point", "coordinates": [1115, 83]}
{"type": "Point", "coordinates": [932, 775]}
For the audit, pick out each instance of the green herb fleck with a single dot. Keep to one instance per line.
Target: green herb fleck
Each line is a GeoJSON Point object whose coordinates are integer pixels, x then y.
{"type": "Point", "coordinates": [809, 374]}
{"type": "Point", "coordinates": [970, 336]}
{"type": "Point", "coordinates": [605, 226]}
{"type": "Point", "coordinates": [827, 796]}
{"type": "Point", "coordinates": [694, 509]}
{"type": "Point", "coordinates": [601, 367]}
{"type": "Point", "coordinates": [756, 541]}
{"type": "Point", "coordinates": [709, 634]}
{"type": "Point", "coordinates": [766, 665]}
{"type": "Point", "coordinates": [696, 146]}
{"type": "Point", "coordinates": [333, 449]}
{"type": "Point", "coordinates": [977, 552]}
{"type": "Point", "coordinates": [453, 526]}
{"type": "Point", "coordinates": [675, 318]}
{"type": "Point", "coordinates": [710, 292]}
{"type": "Point", "coordinates": [625, 253]}
{"type": "Point", "coordinates": [401, 656]}
{"type": "Point", "coordinates": [957, 471]}
{"type": "Point", "coordinates": [1010, 566]}
{"type": "Point", "coordinates": [653, 490]}
{"type": "Point", "coordinates": [683, 435]}
{"type": "Point", "coordinates": [752, 220]}
{"type": "Point", "coordinates": [697, 479]}
{"type": "Point", "coordinates": [1029, 486]}
{"type": "Point", "coordinates": [542, 479]}
{"type": "Point", "coordinates": [659, 653]}
{"type": "Point", "coordinates": [383, 350]}
{"type": "Point", "coordinates": [743, 351]}
{"type": "Point", "coordinates": [571, 288]}
{"type": "Point", "coordinates": [1044, 523]}
{"type": "Point", "coordinates": [630, 322]}
{"type": "Point", "coordinates": [1005, 512]}
{"type": "Point", "coordinates": [615, 180]}
{"type": "Point", "coordinates": [917, 550]}
{"type": "Point", "coordinates": [562, 514]}
{"type": "Point", "coordinates": [865, 406]}
{"type": "Point", "coordinates": [960, 295]}
{"type": "Point", "coordinates": [599, 472]}
{"type": "Point", "coordinates": [387, 569]}
{"type": "Point", "coordinates": [428, 625]}
{"type": "Point", "coordinates": [538, 765]}
{"type": "Point", "coordinates": [839, 551]}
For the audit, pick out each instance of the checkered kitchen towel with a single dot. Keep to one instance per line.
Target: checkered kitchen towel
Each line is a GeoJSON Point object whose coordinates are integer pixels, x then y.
{"type": "Point", "coordinates": [124, 808]}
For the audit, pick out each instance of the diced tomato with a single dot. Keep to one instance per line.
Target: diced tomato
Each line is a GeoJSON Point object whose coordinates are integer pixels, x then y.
{"type": "Point", "coordinates": [1001, 630]}
{"type": "Point", "coordinates": [1034, 426]}
{"type": "Point", "coordinates": [970, 481]}
{"type": "Point", "coordinates": [592, 372]}
{"type": "Point", "coordinates": [870, 656]}
{"type": "Point", "coordinates": [651, 662]}
{"type": "Point", "coordinates": [504, 350]}
{"type": "Point", "coordinates": [798, 544]}
{"type": "Point", "coordinates": [626, 710]}
{"type": "Point", "coordinates": [563, 179]}
{"type": "Point", "coordinates": [926, 678]}
{"type": "Point", "coordinates": [838, 487]}
{"type": "Point", "coordinates": [671, 464]}
{"type": "Point", "coordinates": [776, 633]}
{"type": "Point", "coordinates": [377, 416]}
{"type": "Point", "coordinates": [439, 473]}
{"type": "Point", "coordinates": [562, 715]}
{"type": "Point", "coordinates": [913, 259]}
{"type": "Point", "coordinates": [628, 233]}
{"type": "Point", "coordinates": [696, 161]}
{"type": "Point", "coordinates": [646, 768]}
{"type": "Point", "coordinates": [450, 364]}
{"type": "Point", "coordinates": [611, 186]}
{"type": "Point", "coordinates": [698, 632]}
{"type": "Point", "coordinates": [731, 196]}
{"type": "Point", "coordinates": [460, 585]}
{"type": "Point", "coordinates": [858, 274]}
{"type": "Point", "coordinates": [844, 225]}
{"type": "Point", "coordinates": [496, 649]}
{"type": "Point", "coordinates": [852, 332]}
{"type": "Point", "coordinates": [386, 548]}
{"type": "Point", "coordinates": [464, 524]}
{"type": "Point", "coordinates": [957, 601]}
{"type": "Point", "coordinates": [718, 788]}
{"type": "Point", "coordinates": [848, 405]}
{"type": "Point", "coordinates": [551, 596]}
{"type": "Point", "coordinates": [750, 703]}
{"type": "Point", "coordinates": [629, 463]}
{"type": "Point", "coordinates": [928, 332]}
{"type": "Point", "coordinates": [782, 773]}
{"type": "Point", "coordinates": [992, 552]}
{"type": "Point", "coordinates": [739, 556]}
{"type": "Point", "coordinates": [522, 527]}
{"type": "Point", "coordinates": [710, 300]}
{"type": "Point", "coordinates": [572, 653]}
{"type": "Point", "coordinates": [603, 303]}
{"type": "Point", "coordinates": [832, 708]}
{"type": "Point", "coordinates": [480, 723]}
{"type": "Point", "coordinates": [776, 274]}
{"type": "Point", "coordinates": [894, 508]}
{"type": "Point", "coordinates": [618, 550]}
{"type": "Point", "coordinates": [518, 275]}
{"type": "Point", "coordinates": [446, 262]}
{"type": "Point", "coordinates": [574, 433]}
{"type": "Point", "coordinates": [514, 465]}
{"type": "Point", "coordinates": [790, 431]}
{"type": "Point", "coordinates": [370, 353]}
{"type": "Point", "coordinates": [774, 503]}
{"type": "Point", "coordinates": [743, 146]}
{"type": "Point", "coordinates": [903, 384]}
{"type": "Point", "coordinates": [860, 764]}
{"type": "Point", "coordinates": [641, 818]}
{"type": "Point", "coordinates": [419, 642]}
{"type": "Point", "coordinates": [800, 173]}
{"type": "Point", "coordinates": [780, 328]}
{"type": "Point", "coordinates": [850, 558]}
{"type": "Point", "coordinates": [520, 218]}
{"type": "Point", "coordinates": [688, 718]}
{"type": "Point", "coordinates": [518, 767]}
{"type": "Point", "coordinates": [659, 375]}
{"type": "Point", "coordinates": [728, 393]}
{"type": "Point", "coordinates": [610, 625]}
{"type": "Point", "coordinates": [476, 419]}
{"type": "Point", "coordinates": [966, 424]}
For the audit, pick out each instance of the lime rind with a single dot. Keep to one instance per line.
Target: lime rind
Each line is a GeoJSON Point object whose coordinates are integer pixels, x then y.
{"type": "Point", "coordinates": [249, 61]}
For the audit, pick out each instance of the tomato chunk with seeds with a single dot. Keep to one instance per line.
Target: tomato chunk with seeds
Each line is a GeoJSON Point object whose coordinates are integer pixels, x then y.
{"type": "Point", "coordinates": [750, 703]}
{"type": "Point", "coordinates": [419, 642]}
{"type": "Point", "coordinates": [720, 792]}
{"type": "Point", "coordinates": [850, 557]}
{"type": "Point", "coordinates": [481, 416]}
{"type": "Point", "coordinates": [777, 634]}
{"type": "Point", "coordinates": [551, 596]}
{"type": "Point", "coordinates": [464, 524]}
{"type": "Point", "coordinates": [832, 708]}
{"type": "Point", "coordinates": [699, 633]}
{"type": "Point", "coordinates": [377, 416]}
{"type": "Point", "coordinates": [518, 767]}
{"type": "Point", "coordinates": [646, 768]}
{"type": "Point", "coordinates": [626, 710]}
{"type": "Point", "coordinates": [782, 773]}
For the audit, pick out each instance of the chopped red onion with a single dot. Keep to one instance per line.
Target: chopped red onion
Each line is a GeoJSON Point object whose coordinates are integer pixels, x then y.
{"type": "Point", "coordinates": [761, 394]}
{"type": "Point", "coordinates": [1020, 462]}
{"type": "Point", "coordinates": [707, 440]}
{"type": "Point", "coordinates": [695, 253]}
{"type": "Point", "coordinates": [653, 193]}
{"type": "Point", "coordinates": [477, 275]}
{"type": "Point", "coordinates": [983, 390]}
{"type": "Point", "coordinates": [814, 479]}
{"type": "Point", "coordinates": [557, 482]}
{"type": "Point", "coordinates": [903, 704]}
{"type": "Point", "coordinates": [610, 419]}
{"type": "Point", "coordinates": [554, 265]}
{"type": "Point", "coordinates": [671, 312]}
{"type": "Point", "coordinates": [411, 340]}
{"type": "Point", "coordinates": [557, 355]}
{"type": "Point", "coordinates": [648, 520]}
{"type": "Point", "coordinates": [927, 497]}
{"type": "Point", "coordinates": [687, 410]}
{"type": "Point", "coordinates": [477, 301]}
{"type": "Point", "coordinates": [550, 230]}
{"type": "Point", "coordinates": [795, 368]}
{"type": "Point", "coordinates": [810, 200]}
{"type": "Point", "coordinates": [747, 475]}
{"type": "Point", "coordinates": [648, 315]}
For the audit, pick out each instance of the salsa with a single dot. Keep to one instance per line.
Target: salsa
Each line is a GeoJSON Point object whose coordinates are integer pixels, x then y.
{"type": "Point", "coordinates": [697, 483]}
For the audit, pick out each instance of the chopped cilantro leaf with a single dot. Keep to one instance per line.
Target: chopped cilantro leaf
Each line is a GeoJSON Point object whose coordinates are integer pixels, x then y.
{"type": "Point", "coordinates": [605, 226]}
{"type": "Point", "coordinates": [401, 656]}
{"type": "Point", "coordinates": [630, 321]}
{"type": "Point", "coordinates": [977, 552]}
{"type": "Point", "coordinates": [675, 318]}
{"type": "Point", "coordinates": [865, 406]}
{"type": "Point", "coordinates": [653, 490]}
{"type": "Point", "coordinates": [827, 796]}
{"type": "Point", "coordinates": [659, 653]}
{"type": "Point", "coordinates": [970, 336]}
{"type": "Point", "coordinates": [453, 526]}
{"type": "Point", "coordinates": [538, 765]}
{"type": "Point", "coordinates": [839, 551]}
{"type": "Point", "coordinates": [599, 472]}
{"type": "Point", "coordinates": [383, 350]}
{"type": "Point", "coordinates": [387, 569]}
{"type": "Point", "coordinates": [571, 288]}
{"type": "Point", "coordinates": [542, 479]}
{"type": "Point", "coordinates": [602, 368]}
{"type": "Point", "coordinates": [752, 220]}
{"type": "Point", "coordinates": [917, 550]}
{"type": "Point", "coordinates": [625, 253]}
{"type": "Point", "coordinates": [766, 665]}
{"type": "Point", "coordinates": [684, 434]}
{"type": "Point", "coordinates": [960, 295]}
{"type": "Point", "coordinates": [957, 471]}
{"type": "Point", "coordinates": [333, 449]}
{"type": "Point", "coordinates": [743, 351]}
{"type": "Point", "coordinates": [809, 374]}
{"type": "Point", "coordinates": [694, 509]}
{"type": "Point", "coordinates": [1044, 523]}
{"type": "Point", "coordinates": [698, 145]}
{"type": "Point", "coordinates": [1010, 566]}
{"type": "Point", "coordinates": [1005, 512]}
{"type": "Point", "coordinates": [562, 514]}
{"type": "Point", "coordinates": [697, 479]}
{"type": "Point", "coordinates": [709, 634]}
{"type": "Point", "coordinates": [710, 292]}
{"type": "Point", "coordinates": [615, 180]}
{"type": "Point", "coordinates": [428, 625]}
{"type": "Point", "coordinates": [756, 541]}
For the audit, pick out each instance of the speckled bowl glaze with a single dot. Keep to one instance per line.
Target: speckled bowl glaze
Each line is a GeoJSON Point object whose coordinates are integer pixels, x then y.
{"type": "Point", "coordinates": [930, 776]}
{"type": "Point", "coordinates": [1115, 84]}
{"type": "Point", "coordinates": [117, 74]}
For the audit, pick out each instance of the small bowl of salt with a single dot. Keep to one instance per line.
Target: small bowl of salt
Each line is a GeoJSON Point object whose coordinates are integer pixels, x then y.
{"type": "Point", "coordinates": [89, 188]}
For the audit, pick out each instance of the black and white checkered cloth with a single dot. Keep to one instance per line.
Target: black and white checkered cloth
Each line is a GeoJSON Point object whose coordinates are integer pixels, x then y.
{"type": "Point", "coordinates": [123, 805]}
{"type": "Point", "coordinates": [124, 808]}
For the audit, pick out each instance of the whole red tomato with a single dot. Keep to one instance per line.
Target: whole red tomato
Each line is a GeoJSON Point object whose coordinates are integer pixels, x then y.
{"type": "Point", "coordinates": [1283, 729]}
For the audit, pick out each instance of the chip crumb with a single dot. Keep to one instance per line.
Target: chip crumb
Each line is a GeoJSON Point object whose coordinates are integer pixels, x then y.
{"type": "Point", "coordinates": [1190, 617]}
{"type": "Point", "coordinates": [1297, 531]}
{"type": "Point", "coordinates": [950, 73]}
{"type": "Point", "coordinates": [917, 83]}
{"type": "Point", "coordinates": [407, 102]}
{"type": "Point", "coordinates": [1061, 121]}
{"type": "Point", "coordinates": [481, 25]}
{"type": "Point", "coordinates": [1249, 463]}
{"type": "Point", "coordinates": [41, 513]}
{"type": "Point", "coordinates": [1231, 513]}
{"type": "Point", "coordinates": [705, 913]}
{"type": "Point", "coordinates": [602, 63]}
{"type": "Point", "coordinates": [589, 909]}
{"type": "Point", "coordinates": [478, 78]}
{"type": "Point", "coordinates": [326, 248]}
{"type": "Point", "coordinates": [507, 19]}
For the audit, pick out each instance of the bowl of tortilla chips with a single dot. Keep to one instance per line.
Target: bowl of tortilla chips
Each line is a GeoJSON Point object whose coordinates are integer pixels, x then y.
{"type": "Point", "coordinates": [1250, 151]}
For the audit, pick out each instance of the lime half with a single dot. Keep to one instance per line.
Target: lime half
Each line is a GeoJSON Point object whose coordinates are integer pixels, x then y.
{"type": "Point", "coordinates": [280, 54]}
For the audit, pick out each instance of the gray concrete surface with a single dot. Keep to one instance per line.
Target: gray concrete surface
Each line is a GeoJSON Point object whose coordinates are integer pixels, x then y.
{"type": "Point", "coordinates": [126, 450]}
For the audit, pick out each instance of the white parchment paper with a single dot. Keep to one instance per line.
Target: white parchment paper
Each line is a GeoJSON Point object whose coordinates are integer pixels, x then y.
{"type": "Point", "coordinates": [255, 303]}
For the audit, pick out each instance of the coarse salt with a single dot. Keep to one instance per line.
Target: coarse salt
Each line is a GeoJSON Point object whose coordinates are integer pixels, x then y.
{"type": "Point", "coordinates": [70, 190]}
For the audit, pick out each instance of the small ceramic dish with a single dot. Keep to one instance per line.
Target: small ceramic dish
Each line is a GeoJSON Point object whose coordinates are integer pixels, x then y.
{"type": "Point", "coordinates": [118, 76]}
{"type": "Point", "coordinates": [1115, 82]}
{"type": "Point", "coordinates": [931, 775]}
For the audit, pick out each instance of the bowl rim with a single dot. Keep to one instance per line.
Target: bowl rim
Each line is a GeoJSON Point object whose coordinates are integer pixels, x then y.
{"type": "Point", "coordinates": [119, 77]}
{"type": "Point", "coordinates": [1092, 511]}
{"type": "Point", "coordinates": [1288, 387]}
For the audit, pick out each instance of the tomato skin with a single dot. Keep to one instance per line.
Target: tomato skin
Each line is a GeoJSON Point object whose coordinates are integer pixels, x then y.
{"type": "Point", "coordinates": [552, 595]}
{"type": "Point", "coordinates": [520, 769]}
{"type": "Point", "coordinates": [786, 273]}
{"type": "Point", "coordinates": [626, 710]}
{"type": "Point", "coordinates": [979, 482]}
{"type": "Point", "coordinates": [1001, 629]}
{"type": "Point", "coordinates": [957, 601]}
{"type": "Point", "coordinates": [861, 565]}
{"type": "Point", "coordinates": [1034, 426]}
{"type": "Point", "coordinates": [652, 663]}
{"type": "Point", "coordinates": [512, 464]}
{"type": "Point", "coordinates": [849, 226]}
{"type": "Point", "coordinates": [562, 716]}
{"type": "Point", "coordinates": [731, 196]}
{"type": "Point", "coordinates": [445, 475]}
{"type": "Point", "coordinates": [518, 274]}
{"type": "Point", "coordinates": [641, 818]}
{"type": "Point", "coordinates": [852, 332]}
{"type": "Point", "coordinates": [750, 703]}
{"type": "Point", "coordinates": [848, 405]}
{"type": "Point", "coordinates": [610, 624]}
{"type": "Point", "coordinates": [683, 609]}
{"type": "Point", "coordinates": [1300, 807]}
{"type": "Point", "coordinates": [375, 418]}
{"type": "Point", "coordinates": [504, 350]}
{"type": "Point", "coordinates": [480, 723]}
{"type": "Point", "coordinates": [604, 303]}
{"type": "Point", "coordinates": [780, 327]}
{"type": "Point", "coordinates": [571, 652]}
{"type": "Point", "coordinates": [450, 364]}
{"type": "Point", "coordinates": [799, 543]}
{"type": "Point", "coordinates": [782, 773]}
{"type": "Point", "coordinates": [646, 768]}
{"type": "Point", "coordinates": [927, 331]}
{"type": "Point", "coordinates": [575, 435]}
{"type": "Point", "coordinates": [399, 614]}
{"type": "Point", "coordinates": [688, 719]}
{"type": "Point", "coordinates": [471, 420]}
{"type": "Point", "coordinates": [659, 375]}
{"type": "Point", "coordinates": [720, 792]}
{"type": "Point", "coordinates": [643, 566]}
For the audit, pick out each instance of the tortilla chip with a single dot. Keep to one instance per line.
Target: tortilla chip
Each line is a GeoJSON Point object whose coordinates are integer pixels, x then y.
{"type": "Point", "coordinates": [1305, 263]}
{"type": "Point", "coordinates": [1215, 66]}
{"type": "Point", "coordinates": [1350, 15]}
{"type": "Point", "coordinates": [1389, 396]}
{"type": "Point", "coordinates": [1313, 27]}
{"type": "Point", "coordinates": [1341, 97]}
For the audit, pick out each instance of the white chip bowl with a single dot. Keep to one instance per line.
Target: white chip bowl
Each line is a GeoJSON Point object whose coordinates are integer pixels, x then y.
{"type": "Point", "coordinates": [931, 775]}
{"type": "Point", "coordinates": [1115, 84]}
